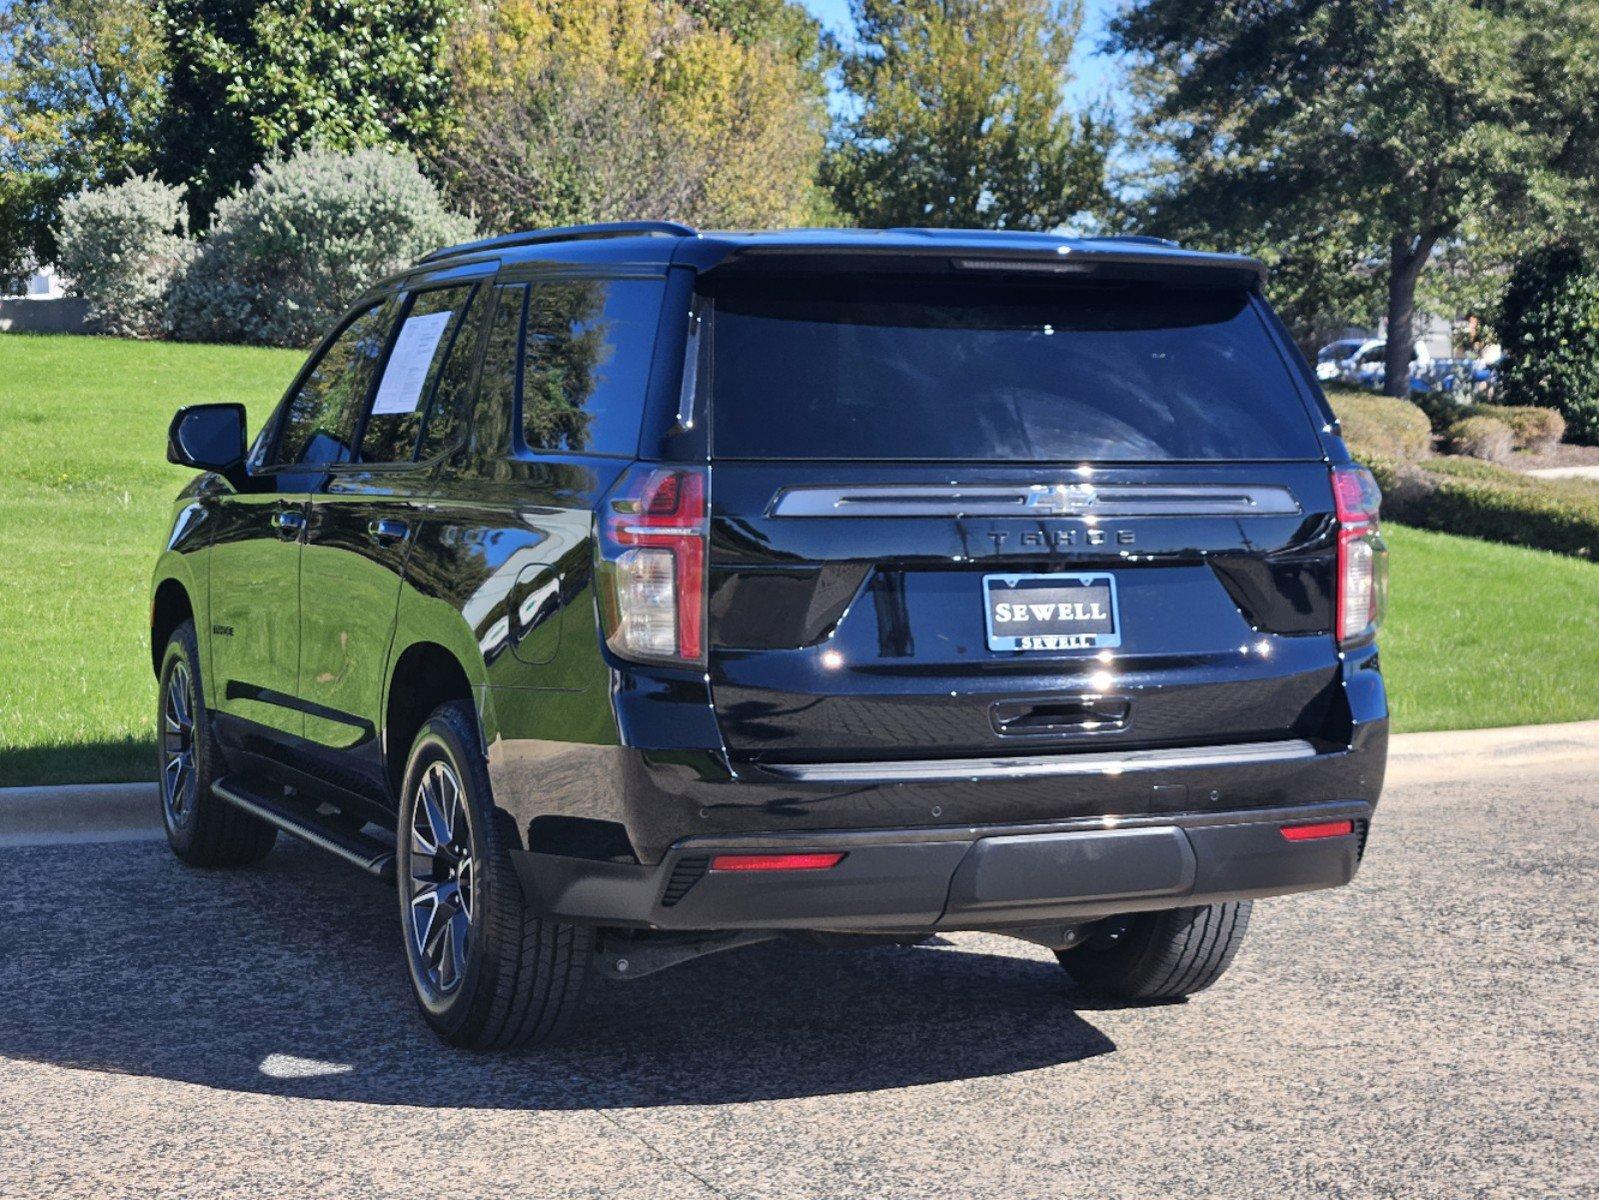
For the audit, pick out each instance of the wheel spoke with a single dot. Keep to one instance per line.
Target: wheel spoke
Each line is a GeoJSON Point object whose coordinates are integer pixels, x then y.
{"type": "Point", "coordinates": [438, 826]}
{"type": "Point", "coordinates": [180, 782]}
{"type": "Point", "coordinates": [464, 886]}
{"type": "Point", "coordinates": [460, 929]}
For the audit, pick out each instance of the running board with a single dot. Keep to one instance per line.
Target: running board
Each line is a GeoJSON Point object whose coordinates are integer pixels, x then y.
{"type": "Point", "coordinates": [295, 818]}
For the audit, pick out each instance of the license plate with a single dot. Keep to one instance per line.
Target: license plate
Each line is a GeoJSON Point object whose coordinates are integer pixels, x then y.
{"type": "Point", "coordinates": [1051, 612]}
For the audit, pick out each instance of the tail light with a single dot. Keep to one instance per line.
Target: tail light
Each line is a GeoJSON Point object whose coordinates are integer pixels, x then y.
{"type": "Point", "coordinates": [1362, 556]}
{"type": "Point", "coordinates": [652, 565]}
{"type": "Point", "coordinates": [775, 862]}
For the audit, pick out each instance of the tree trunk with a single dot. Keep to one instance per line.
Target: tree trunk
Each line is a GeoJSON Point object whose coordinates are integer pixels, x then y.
{"type": "Point", "coordinates": [1409, 255]}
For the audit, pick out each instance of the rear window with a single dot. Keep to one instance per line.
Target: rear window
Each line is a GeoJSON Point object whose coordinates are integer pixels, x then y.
{"type": "Point", "coordinates": [990, 370]}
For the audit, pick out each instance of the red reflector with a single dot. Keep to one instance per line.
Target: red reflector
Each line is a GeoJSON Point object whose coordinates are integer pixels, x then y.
{"type": "Point", "coordinates": [775, 862]}
{"type": "Point", "coordinates": [1326, 829]}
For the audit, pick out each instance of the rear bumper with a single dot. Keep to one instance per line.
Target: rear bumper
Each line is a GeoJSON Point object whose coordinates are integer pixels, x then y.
{"type": "Point", "coordinates": [983, 877]}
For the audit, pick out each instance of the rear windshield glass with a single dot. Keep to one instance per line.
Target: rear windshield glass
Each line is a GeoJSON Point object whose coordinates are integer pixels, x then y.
{"type": "Point", "coordinates": [998, 371]}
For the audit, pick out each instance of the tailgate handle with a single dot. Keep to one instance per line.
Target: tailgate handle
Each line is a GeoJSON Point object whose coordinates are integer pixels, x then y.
{"type": "Point", "coordinates": [1086, 714]}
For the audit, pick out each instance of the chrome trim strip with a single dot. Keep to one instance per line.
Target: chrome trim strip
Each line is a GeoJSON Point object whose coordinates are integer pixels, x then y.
{"type": "Point", "coordinates": [691, 374]}
{"type": "Point", "coordinates": [1037, 500]}
{"type": "Point", "coordinates": [949, 770]}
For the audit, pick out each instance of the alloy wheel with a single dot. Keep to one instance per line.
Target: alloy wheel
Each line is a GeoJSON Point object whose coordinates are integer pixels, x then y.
{"type": "Point", "coordinates": [441, 878]}
{"type": "Point", "coordinates": [178, 776]}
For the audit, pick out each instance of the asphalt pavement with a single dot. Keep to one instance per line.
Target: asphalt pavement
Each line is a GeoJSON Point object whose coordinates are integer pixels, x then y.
{"type": "Point", "coordinates": [1432, 1030]}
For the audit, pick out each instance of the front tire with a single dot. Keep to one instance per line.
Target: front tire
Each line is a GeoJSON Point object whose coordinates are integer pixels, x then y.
{"type": "Point", "coordinates": [202, 830]}
{"type": "Point", "coordinates": [1160, 955]}
{"type": "Point", "coordinates": [487, 973]}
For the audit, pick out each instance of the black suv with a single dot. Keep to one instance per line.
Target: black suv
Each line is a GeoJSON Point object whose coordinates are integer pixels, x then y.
{"type": "Point", "coordinates": [628, 593]}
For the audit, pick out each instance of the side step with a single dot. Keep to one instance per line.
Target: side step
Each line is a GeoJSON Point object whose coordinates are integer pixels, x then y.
{"type": "Point", "coordinates": [304, 822]}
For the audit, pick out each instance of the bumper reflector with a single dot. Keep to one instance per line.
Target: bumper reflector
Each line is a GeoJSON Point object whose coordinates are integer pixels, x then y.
{"type": "Point", "coordinates": [775, 862]}
{"type": "Point", "coordinates": [1325, 829]}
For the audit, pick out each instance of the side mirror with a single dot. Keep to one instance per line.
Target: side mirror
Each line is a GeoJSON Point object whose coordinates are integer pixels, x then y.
{"type": "Point", "coordinates": [208, 437]}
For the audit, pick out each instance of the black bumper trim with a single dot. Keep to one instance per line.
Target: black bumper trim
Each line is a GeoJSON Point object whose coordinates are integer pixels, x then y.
{"type": "Point", "coordinates": [979, 877]}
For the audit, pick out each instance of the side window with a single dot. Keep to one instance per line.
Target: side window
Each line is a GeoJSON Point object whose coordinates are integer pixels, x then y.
{"type": "Point", "coordinates": [496, 387]}
{"type": "Point", "coordinates": [319, 420]}
{"type": "Point", "coordinates": [452, 400]}
{"type": "Point", "coordinates": [588, 350]}
{"type": "Point", "coordinates": [422, 348]}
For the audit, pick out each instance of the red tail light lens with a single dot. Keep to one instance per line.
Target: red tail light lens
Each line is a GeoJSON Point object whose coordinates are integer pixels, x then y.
{"type": "Point", "coordinates": [1362, 556]}
{"type": "Point", "coordinates": [1323, 829]}
{"type": "Point", "coordinates": [652, 565]}
{"type": "Point", "coordinates": [775, 862]}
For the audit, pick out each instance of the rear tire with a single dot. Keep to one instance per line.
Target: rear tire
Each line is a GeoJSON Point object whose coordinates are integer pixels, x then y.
{"type": "Point", "coordinates": [487, 973]}
{"type": "Point", "coordinates": [1160, 955]}
{"type": "Point", "coordinates": [202, 830]}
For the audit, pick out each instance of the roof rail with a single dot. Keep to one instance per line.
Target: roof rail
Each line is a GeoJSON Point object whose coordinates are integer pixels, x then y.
{"type": "Point", "coordinates": [567, 233]}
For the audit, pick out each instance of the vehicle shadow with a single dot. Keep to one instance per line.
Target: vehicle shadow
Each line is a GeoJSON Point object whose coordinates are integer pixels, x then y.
{"type": "Point", "coordinates": [286, 979]}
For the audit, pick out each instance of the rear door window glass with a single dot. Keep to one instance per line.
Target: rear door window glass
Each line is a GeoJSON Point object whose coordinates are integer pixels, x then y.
{"type": "Point", "coordinates": [991, 371]}
{"type": "Point", "coordinates": [451, 399]}
{"type": "Point", "coordinates": [319, 420]}
{"type": "Point", "coordinates": [589, 344]}
{"type": "Point", "coordinates": [423, 345]}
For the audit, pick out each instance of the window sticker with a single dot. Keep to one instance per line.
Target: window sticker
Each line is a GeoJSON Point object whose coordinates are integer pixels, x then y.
{"type": "Point", "coordinates": [401, 389]}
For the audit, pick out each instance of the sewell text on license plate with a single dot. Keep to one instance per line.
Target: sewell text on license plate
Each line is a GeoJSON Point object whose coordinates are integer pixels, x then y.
{"type": "Point", "coordinates": [1051, 612]}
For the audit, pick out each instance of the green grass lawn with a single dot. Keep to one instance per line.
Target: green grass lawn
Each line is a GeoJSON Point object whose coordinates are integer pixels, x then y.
{"type": "Point", "coordinates": [1479, 634]}
{"type": "Point", "coordinates": [85, 498]}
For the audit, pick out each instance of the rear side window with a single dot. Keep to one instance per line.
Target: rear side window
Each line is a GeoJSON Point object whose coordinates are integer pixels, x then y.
{"type": "Point", "coordinates": [424, 347]}
{"type": "Point", "coordinates": [586, 364]}
{"type": "Point", "coordinates": [318, 425]}
{"type": "Point", "coordinates": [984, 370]}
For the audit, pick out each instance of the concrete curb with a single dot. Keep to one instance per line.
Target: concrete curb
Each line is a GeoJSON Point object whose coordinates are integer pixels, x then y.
{"type": "Point", "coordinates": [87, 812]}
{"type": "Point", "coordinates": [1477, 753]}
{"type": "Point", "coordinates": [114, 812]}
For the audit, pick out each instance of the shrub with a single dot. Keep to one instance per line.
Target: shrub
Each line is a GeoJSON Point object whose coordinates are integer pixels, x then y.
{"type": "Point", "coordinates": [290, 252]}
{"type": "Point", "coordinates": [121, 247]}
{"type": "Point", "coordinates": [1533, 428]}
{"type": "Point", "coordinates": [1382, 427]}
{"type": "Point", "coordinates": [1549, 327]}
{"type": "Point", "coordinates": [1475, 499]}
{"type": "Point", "coordinates": [1482, 437]}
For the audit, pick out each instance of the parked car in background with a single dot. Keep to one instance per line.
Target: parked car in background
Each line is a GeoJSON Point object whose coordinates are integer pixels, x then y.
{"type": "Point", "coordinates": [625, 593]}
{"type": "Point", "coordinates": [1365, 368]}
{"type": "Point", "coordinates": [1332, 356]}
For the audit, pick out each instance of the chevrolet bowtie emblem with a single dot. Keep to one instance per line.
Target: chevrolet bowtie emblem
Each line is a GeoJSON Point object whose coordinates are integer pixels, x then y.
{"type": "Point", "coordinates": [1062, 498]}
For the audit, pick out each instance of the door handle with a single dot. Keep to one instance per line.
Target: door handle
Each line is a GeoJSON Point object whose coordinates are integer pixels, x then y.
{"type": "Point", "coordinates": [288, 521]}
{"type": "Point", "coordinates": [388, 531]}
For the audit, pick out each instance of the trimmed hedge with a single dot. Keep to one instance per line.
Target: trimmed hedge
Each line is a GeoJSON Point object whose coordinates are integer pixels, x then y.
{"type": "Point", "coordinates": [1382, 427]}
{"type": "Point", "coordinates": [1482, 437]}
{"type": "Point", "coordinates": [1533, 428]}
{"type": "Point", "coordinates": [1476, 499]}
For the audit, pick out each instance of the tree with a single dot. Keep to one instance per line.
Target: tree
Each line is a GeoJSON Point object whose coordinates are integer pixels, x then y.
{"type": "Point", "coordinates": [80, 96]}
{"type": "Point", "coordinates": [253, 79]}
{"type": "Point", "coordinates": [1382, 131]}
{"type": "Point", "coordinates": [1549, 326]}
{"type": "Point", "coordinates": [961, 117]}
{"type": "Point", "coordinates": [710, 112]}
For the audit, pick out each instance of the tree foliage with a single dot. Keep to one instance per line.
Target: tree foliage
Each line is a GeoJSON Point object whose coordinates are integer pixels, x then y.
{"type": "Point", "coordinates": [960, 118]}
{"type": "Point", "coordinates": [290, 252]}
{"type": "Point", "coordinates": [1549, 327]}
{"type": "Point", "coordinates": [254, 79]}
{"type": "Point", "coordinates": [1376, 132]}
{"type": "Point", "coordinates": [122, 246]}
{"type": "Point", "coordinates": [80, 94]}
{"type": "Point", "coordinates": [708, 112]}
